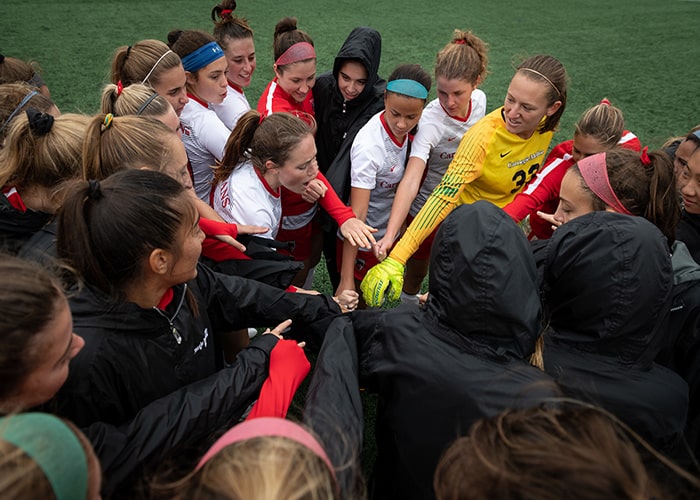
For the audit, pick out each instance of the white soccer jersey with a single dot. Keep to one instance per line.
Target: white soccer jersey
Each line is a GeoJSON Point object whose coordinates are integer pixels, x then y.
{"type": "Point", "coordinates": [245, 198]}
{"type": "Point", "coordinates": [377, 163]}
{"type": "Point", "coordinates": [233, 107]}
{"type": "Point", "coordinates": [205, 137]}
{"type": "Point", "coordinates": [437, 140]}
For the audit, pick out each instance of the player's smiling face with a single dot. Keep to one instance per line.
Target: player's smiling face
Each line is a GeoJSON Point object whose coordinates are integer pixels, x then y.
{"type": "Point", "coordinates": [526, 105]}
{"type": "Point", "coordinates": [297, 79]}
{"type": "Point", "coordinates": [401, 113]}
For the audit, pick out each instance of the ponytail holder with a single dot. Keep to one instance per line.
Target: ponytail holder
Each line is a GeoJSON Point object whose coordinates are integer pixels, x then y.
{"type": "Point", "coordinates": [226, 13]}
{"type": "Point", "coordinates": [120, 88]}
{"type": "Point", "coordinates": [128, 51]}
{"type": "Point", "coordinates": [39, 123]}
{"type": "Point", "coordinates": [94, 192]}
{"type": "Point", "coordinates": [460, 42]}
{"type": "Point", "coordinates": [606, 102]}
{"type": "Point", "coordinates": [646, 161]}
{"type": "Point", "coordinates": [109, 117]}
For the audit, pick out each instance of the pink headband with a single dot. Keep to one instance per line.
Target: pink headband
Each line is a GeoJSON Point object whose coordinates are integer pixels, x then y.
{"type": "Point", "coordinates": [595, 174]}
{"type": "Point", "coordinates": [267, 426]}
{"type": "Point", "coordinates": [298, 52]}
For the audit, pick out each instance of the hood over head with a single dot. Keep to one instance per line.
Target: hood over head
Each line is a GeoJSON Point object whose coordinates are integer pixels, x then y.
{"type": "Point", "coordinates": [365, 45]}
{"type": "Point", "coordinates": [483, 283]}
{"type": "Point", "coordinates": [607, 282]}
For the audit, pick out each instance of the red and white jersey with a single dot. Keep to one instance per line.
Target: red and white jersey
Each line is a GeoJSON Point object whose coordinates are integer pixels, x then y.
{"type": "Point", "coordinates": [275, 100]}
{"type": "Point", "coordinates": [246, 198]}
{"type": "Point", "coordinates": [297, 213]}
{"type": "Point", "coordinates": [437, 140]}
{"type": "Point", "coordinates": [377, 163]}
{"type": "Point", "coordinates": [234, 106]}
{"type": "Point", "coordinates": [542, 193]}
{"type": "Point", "coordinates": [204, 136]}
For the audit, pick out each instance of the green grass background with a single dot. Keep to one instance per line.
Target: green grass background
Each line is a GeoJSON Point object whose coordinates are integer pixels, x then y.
{"type": "Point", "coordinates": [643, 55]}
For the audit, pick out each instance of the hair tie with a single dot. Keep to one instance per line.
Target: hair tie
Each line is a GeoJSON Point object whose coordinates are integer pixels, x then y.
{"type": "Point", "coordinates": [410, 88]}
{"type": "Point", "coordinates": [128, 51]}
{"type": "Point", "coordinates": [39, 123]}
{"type": "Point", "coordinates": [120, 88]}
{"type": "Point", "coordinates": [18, 108]}
{"type": "Point", "coordinates": [226, 13]}
{"type": "Point", "coordinates": [605, 101]}
{"type": "Point", "coordinates": [54, 447]}
{"type": "Point", "coordinates": [109, 117]}
{"type": "Point", "coordinates": [644, 156]}
{"type": "Point", "coordinates": [460, 42]}
{"type": "Point", "coordinates": [547, 79]}
{"type": "Point", "coordinates": [204, 55]}
{"type": "Point", "coordinates": [595, 174]}
{"type": "Point", "coordinates": [300, 51]}
{"type": "Point", "coordinates": [94, 191]}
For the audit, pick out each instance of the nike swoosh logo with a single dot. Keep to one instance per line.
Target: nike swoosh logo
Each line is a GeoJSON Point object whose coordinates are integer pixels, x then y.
{"type": "Point", "coordinates": [503, 155]}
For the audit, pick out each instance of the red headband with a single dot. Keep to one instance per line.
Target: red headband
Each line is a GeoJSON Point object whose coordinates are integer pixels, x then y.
{"type": "Point", "coordinates": [300, 51]}
{"type": "Point", "coordinates": [267, 426]}
{"type": "Point", "coordinates": [595, 173]}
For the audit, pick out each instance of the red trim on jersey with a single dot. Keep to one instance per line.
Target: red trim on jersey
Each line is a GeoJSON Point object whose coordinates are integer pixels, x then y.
{"type": "Point", "coordinates": [166, 299]}
{"type": "Point", "coordinates": [458, 118]}
{"type": "Point", "coordinates": [15, 200]}
{"type": "Point", "coordinates": [393, 138]}
{"type": "Point", "coordinates": [274, 193]}
{"type": "Point", "coordinates": [197, 99]}
{"type": "Point", "coordinates": [235, 87]}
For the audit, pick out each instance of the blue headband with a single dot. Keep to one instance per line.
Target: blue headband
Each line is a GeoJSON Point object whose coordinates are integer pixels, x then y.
{"type": "Point", "coordinates": [411, 88]}
{"type": "Point", "coordinates": [54, 447]}
{"type": "Point", "coordinates": [194, 61]}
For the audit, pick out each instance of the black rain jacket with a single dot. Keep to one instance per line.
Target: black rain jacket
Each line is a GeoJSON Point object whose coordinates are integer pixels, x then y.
{"type": "Point", "coordinates": [339, 121]}
{"type": "Point", "coordinates": [462, 357]}
{"type": "Point", "coordinates": [607, 283]}
{"type": "Point", "coordinates": [17, 227]}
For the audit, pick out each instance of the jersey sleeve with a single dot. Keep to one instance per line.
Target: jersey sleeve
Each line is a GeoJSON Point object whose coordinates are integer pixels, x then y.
{"type": "Point", "coordinates": [364, 165]}
{"type": "Point", "coordinates": [426, 139]}
{"type": "Point", "coordinates": [332, 204]}
{"type": "Point", "coordinates": [214, 140]}
{"type": "Point", "coordinates": [466, 166]}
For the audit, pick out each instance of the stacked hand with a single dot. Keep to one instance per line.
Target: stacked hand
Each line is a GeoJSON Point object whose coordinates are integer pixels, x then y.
{"type": "Point", "coordinates": [386, 278]}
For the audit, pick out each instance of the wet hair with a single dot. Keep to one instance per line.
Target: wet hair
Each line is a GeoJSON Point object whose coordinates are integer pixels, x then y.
{"type": "Point", "coordinates": [545, 453]}
{"type": "Point", "coordinates": [647, 191]}
{"type": "Point", "coordinates": [31, 159]}
{"type": "Point", "coordinates": [604, 122]}
{"type": "Point", "coordinates": [260, 468]}
{"type": "Point", "coordinates": [30, 298]}
{"type": "Point", "coordinates": [11, 96]}
{"type": "Point", "coordinates": [135, 99]}
{"type": "Point", "coordinates": [110, 252]}
{"type": "Point", "coordinates": [272, 140]}
{"type": "Point", "coordinates": [228, 26]}
{"type": "Point", "coordinates": [127, 142]}
{"type": "Point", "coordinates": [147, 58]}
{"type": "Point", "coordinates": [551, 72]}
{"type": "Point", "coordinates": [286, 35]}
{"type": "Point", "coordinates": [464, 58]}
{"type": "Point", "coordinates": [410, 72]}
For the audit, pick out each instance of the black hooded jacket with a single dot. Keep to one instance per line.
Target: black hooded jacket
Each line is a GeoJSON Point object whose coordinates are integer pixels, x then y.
{"type": "Point", "coordinates": [17, 227]}
{"type": "Point", "coordinates": [462, 357]}
{"type": "Point", "coordinates": [339, 121]}
{"type": "Point", "coordinates": [607, 282]}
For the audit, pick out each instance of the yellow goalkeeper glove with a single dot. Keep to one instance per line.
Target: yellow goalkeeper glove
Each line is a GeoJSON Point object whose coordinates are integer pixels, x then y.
{"type": "Point", "coordinates": [384, 278]}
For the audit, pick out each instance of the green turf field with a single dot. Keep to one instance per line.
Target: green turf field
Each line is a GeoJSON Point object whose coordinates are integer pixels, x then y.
{"type": "Point", "coordinates": [641, 54]}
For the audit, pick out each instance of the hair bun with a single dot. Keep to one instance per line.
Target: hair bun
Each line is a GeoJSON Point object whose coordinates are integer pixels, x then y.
{"type": "Point", "coordinates": [285, 25]}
